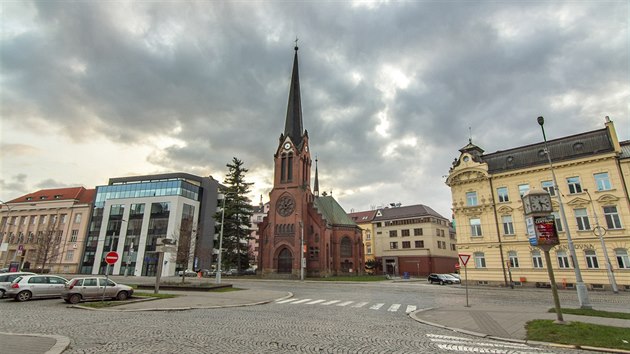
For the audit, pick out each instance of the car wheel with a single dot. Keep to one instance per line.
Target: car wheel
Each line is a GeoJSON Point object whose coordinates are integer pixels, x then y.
{"type": "Point", "coordinates": [23, 296]}
{"type": "Point", "coordinates": [1, 294]}
{"type": "Point", "coordinates": [123, 295]}
{"type": "Point", "coordinates": [441, 282]}
{"type": "Point", "coordinates": [74, 299]}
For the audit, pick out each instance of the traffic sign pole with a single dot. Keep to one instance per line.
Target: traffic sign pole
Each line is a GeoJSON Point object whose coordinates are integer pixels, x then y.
{"type": "Point", "coordinates": [464, 258]}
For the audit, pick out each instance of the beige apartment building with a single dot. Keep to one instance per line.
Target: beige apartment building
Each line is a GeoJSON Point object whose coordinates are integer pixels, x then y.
{"type": "Point", "coordinates": [413, 239]}
{"type": "Point", "coordinates": [363, 219]}
{"type": "Point", "coordinates": [45, 230]}
{"type": "Point", "coordinates": [592, 171]}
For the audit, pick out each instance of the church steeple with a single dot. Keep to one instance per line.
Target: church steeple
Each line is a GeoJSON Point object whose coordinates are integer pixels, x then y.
{"type": "Point", "coordinates": [293, 125]}
{"type": "Point", "coordinates": [316, 186]}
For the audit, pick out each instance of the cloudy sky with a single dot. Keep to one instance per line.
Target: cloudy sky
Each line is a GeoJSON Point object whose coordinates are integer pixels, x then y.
{"type": "Point", "coordinates": [93, 90]}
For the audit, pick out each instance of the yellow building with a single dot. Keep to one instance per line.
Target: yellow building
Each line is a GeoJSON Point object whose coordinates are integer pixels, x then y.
{"type": "Point", "coordinates": [363, 219]}
{"type": "Point", "coordinates": [45, 231]}
{"type": "Point", "coordinates": [592, 173]}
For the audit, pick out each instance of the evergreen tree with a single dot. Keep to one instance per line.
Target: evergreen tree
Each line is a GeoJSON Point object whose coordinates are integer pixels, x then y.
{"type": "Point", "coordinates": [238, 212]}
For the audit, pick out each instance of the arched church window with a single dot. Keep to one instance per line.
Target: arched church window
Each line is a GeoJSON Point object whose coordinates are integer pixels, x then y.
{"type": "Point", "coordinates": [346, 247]}
{"type": "Point", "coordinates": [290, 167]}
{"type": "Point", "coordinates": [283, 168]}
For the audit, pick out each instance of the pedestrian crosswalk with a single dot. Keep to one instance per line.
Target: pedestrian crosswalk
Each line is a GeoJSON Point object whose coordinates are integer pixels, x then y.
{"type": "Point", "coordinates": [474, 345]}
{"type": "Point", "coordinates": [346, 303]}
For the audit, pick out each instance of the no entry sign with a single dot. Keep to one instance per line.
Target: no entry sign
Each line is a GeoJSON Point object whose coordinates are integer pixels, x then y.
{"type": "Point", "coordinates": [111, 257]}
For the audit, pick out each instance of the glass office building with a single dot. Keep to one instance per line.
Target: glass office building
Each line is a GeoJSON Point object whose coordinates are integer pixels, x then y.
{"type": "Point", "coordinates": [131, 213]}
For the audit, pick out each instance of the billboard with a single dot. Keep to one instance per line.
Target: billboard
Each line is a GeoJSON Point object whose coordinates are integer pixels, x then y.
{"type": "Point", "coordinates": [541, 230]}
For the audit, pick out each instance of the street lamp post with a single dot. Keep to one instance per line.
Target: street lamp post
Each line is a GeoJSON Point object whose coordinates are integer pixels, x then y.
{"type": "Point", "coordinates": [599, 232]}
{"type": "Point", "coordinates": [218, 275]}
{"type": "Point", "coordinates": [582, 293]}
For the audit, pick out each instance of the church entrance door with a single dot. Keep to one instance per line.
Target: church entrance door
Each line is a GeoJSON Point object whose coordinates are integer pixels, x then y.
{"type": "Point", "coordinates": [285, 261]}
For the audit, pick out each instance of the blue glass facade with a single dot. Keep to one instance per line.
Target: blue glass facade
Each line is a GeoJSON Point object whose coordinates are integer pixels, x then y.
{"type": "Point", "coordinates": [146, 189]}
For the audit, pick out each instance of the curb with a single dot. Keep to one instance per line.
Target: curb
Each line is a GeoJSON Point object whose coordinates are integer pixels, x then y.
{"type": "Point", "coordinates": [415, 317]}
{"type": "Point", "coordinates": [61, 343]}
{"type": "Point", "coordinates": [289, 295]}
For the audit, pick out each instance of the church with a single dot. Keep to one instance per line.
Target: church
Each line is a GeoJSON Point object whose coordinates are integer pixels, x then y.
{"type": "Point", "coordinates": [302, 228]}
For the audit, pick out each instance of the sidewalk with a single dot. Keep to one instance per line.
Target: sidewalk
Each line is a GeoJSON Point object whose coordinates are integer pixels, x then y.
{"type": "Point", "coordinates": [506, 322]}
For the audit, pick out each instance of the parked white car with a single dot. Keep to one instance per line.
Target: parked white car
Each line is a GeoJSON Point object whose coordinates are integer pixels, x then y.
{"type": "Point", "coordinates": [7, 278]}
{"type": "Point", "coordinates": [27, 287]}
{"type": "Point", "coordinates": [94, 288]}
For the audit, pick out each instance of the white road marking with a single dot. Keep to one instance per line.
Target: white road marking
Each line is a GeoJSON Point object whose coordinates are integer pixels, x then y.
{"type": "Point", "coordinates": [315, 302]}
{"type": "Point", "coordinates": [285, 301]}
{"type": "Point", "coordinates": [376, 307]}
{"type": "Point", "coordinates": [346, 303]}
{"type": "Point", "coordinates": [301, 301]}
{"type": "Point", "coordinates": [410, 308]}
{"type": "Point", "coordinates": [360, 304]}
{"type": "Point", "coordinates": [393, 308]}
{"type": "Point", "coordinates": [331, 302]}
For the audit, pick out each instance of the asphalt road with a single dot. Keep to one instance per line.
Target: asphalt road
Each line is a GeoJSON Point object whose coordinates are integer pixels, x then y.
{"type": "Point", "coordinates": [376, 322]}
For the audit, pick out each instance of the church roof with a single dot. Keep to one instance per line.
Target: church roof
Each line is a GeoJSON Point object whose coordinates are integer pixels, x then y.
{"type": "Point", "coordinates": [293, 125]}
{"type": "Point", "coordinates": [332, 212]}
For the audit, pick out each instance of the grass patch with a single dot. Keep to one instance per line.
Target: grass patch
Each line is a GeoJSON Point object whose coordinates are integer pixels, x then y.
{"type": "Point", "coordinates": [594, 313]}
{"type": "Point", "coordinates": [224, 290]}
{"type": "Point", "coordinates": [578, 333]}
{"type": "Point", "coordinates": [159, 296]}
{"type": "Point", "coordinates": [352, 278]}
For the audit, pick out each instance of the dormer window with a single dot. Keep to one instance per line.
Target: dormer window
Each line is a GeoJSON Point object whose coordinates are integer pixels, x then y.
{"type": "Point", "coordinates": [29, 198]}
{"type": "Point", "coordinates": [43, 197]}
{"type": "Point", "coordinates": [58, 196]}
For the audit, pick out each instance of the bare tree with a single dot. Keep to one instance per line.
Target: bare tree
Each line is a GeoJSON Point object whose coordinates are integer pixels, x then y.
{"type": "Point", "coordinates": [185, 242]}
{"type": "Point", "coordinates": [47, 244]}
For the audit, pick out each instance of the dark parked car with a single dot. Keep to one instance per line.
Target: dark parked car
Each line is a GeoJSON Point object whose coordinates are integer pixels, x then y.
{"type": "Point", "coordinates": [442, 279]}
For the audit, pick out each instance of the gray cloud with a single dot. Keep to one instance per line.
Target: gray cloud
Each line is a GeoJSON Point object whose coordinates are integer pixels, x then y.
{"type": "Point", "coordinates": [215, 76]}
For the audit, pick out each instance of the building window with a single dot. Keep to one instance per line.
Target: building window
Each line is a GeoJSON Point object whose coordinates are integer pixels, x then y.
{"type": "Point", "coordinates": [558, 221]}
{"type": "Point", "coordinates": [419, 244]}
{"type": "Point", "coordinates": [368, 250]}
{"type": "Point", "coordinates": [404, 232]}
{"type": "Point", "coordinates": [475, 227]}
{"type": "Point", "coordinates": [522, 189]}
{"type": "Point", "coordinates": [471, 198]}
{"type": "Point", "coordinates": [42, 219]}
{"type": "Point", "coordinates": [77, 218]}
{"type": "Point", "coordinates": [563, 259]}
{"type": "Point", "coordinates": [480, 259]}
{"type": "Point", "coordinates": [537, 259]}
{"type": "Point", "coordinates": [513, 258]}
{"type": "Point", "coordinates": [574, 185]}
{"type": "Point", "coordinates": [508, 226]}
{"type": "Point", "coordinates": [417, 232]}
{"type": "Point", "coordinates": [582, 219]}
{"type": "Point", "coordinates": [406, 244]}
{"type": "Point", "coordinates": [290, 168]}
{"type": "Point", "coordinates": [453, 247]}
{"type": "Point", "coordinates": [393, 233]}
{"type": "Point", "coordinates": [591, 259]}
{"type": "Point", "coordinates": [74, 236]}
{"type": "Point", "coordinates": [622, 258]}
{"type": "Point", "coordinates": [503, 195]}
{"type": "Point", "coordinates": [393, 245]}
{"type": "Point", "coordinates": [368, 235]}
{"type": "Point", "coordinates": [62, 218]}
{"type": "Point", "coordinates": [346, 247]}
{"type": "Point", "coordinates": [612, 217]}
{"type": "Point", "coordinates": [548, 186]}
{"type": "Point", "coordinates": [33, 220]}
{"type": "Point", "coordinates": [70, 255]}
{"type": "Point", "coordinates": [602, 181]}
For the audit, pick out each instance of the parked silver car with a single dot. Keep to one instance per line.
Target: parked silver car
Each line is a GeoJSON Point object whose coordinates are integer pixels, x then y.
{"type": "Point", "coordinates": [7, 278]}
{"type": "Point", "coordinates": [94, 288]}
{"type": "Point", "coordinates": [28, 287]}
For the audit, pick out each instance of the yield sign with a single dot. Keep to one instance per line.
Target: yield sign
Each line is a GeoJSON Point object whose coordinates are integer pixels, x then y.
{"type": "Point", "coordinates": [464, 258]}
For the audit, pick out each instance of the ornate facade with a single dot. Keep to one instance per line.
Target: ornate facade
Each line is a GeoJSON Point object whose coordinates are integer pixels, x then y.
{"type": "Point", "coordinates": [487, 190]}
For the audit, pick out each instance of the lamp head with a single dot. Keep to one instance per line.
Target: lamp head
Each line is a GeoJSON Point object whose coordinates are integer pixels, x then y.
{"type": "Point", "coordinates": [541, 121]}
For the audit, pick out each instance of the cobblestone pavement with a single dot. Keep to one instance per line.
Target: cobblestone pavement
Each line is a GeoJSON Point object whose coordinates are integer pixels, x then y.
{"type": "Point", "coordinates": [272, 328]}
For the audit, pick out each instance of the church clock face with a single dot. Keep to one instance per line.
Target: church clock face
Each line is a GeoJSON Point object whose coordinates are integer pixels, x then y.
{"type": "Point", "coordinates": [286, 206]}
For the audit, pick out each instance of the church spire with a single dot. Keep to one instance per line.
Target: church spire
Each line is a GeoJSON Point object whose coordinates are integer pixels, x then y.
{"type": "Point", "coordinates": [316, 186]}
{"type": "Point", "coordinates": [293, 125]}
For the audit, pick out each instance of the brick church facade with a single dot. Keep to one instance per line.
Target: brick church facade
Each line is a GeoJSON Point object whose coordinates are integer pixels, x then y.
{"type": "Point", "coordinates": [300, 220]}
